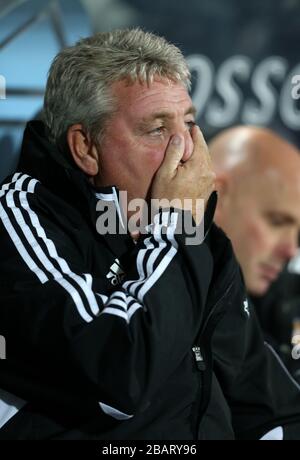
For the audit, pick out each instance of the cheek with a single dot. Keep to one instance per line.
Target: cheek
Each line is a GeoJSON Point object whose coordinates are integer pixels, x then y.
{"type": "Point", "coordinates": [152, 157]}
{"type": "Point", "coordinates": [257, 240]}
{"type": "Point", "coordinates": [156, 157]}
{"type": "Point", "coordinates": [132, 157]}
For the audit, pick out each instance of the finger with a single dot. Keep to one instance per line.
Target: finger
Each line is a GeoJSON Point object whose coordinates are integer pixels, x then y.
{"type": "Point", "coordinates": [200, 146]}
{"type": "Point", "coordinates": [173, 155]}
{"type": "Point", "coordinates": [196, 133]}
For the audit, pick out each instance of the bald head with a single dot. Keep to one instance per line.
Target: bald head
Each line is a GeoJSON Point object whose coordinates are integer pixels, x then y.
{"type": "Point", "coordinates": [253, 149]}
{"type": "Point", "coordinates": [258, 179]}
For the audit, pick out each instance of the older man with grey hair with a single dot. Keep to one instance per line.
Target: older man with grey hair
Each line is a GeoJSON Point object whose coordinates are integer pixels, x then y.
{"type": "Point", "coordinates": [117, 332]}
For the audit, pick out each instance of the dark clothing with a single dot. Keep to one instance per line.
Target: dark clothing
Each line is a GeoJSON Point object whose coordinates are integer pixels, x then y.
{"type": "Point", "coordinates": [278, 312]}
{"type": "Point", "coordinates": [111, 340]}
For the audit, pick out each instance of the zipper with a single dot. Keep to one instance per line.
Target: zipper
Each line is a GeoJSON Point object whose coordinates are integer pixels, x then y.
{"type": "Point", "coordinates": [202, 364]}
{"type": "Point", "coordinates": [214, 308]}
{"type": "Point", "coordinates": [200, 368]}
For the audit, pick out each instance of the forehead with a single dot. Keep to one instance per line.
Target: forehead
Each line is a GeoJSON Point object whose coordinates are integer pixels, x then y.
{"type": "Point", "coordinates": [141, 99]}
{"type": "Point", "coordinates": [272, 191]}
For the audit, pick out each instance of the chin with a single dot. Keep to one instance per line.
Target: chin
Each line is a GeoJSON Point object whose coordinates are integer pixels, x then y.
{"type": "Point", "coordinates": [260, 288]}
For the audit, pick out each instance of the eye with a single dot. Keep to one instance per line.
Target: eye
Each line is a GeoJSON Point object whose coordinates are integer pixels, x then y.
{"type": "Point", "coordinates": [157, 131]}
{"type": "Point", "coordinates": [278, 220]}
{"type": "Point", "coordinates": [190, 124]}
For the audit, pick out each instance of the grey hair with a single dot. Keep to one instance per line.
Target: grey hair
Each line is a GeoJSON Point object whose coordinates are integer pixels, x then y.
{"type": "Point", "coordinates": [79, 83]}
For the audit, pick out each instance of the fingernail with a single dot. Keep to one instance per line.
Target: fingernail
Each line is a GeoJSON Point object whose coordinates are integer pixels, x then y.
{"type": "Point", "coordinates": [176, 140]}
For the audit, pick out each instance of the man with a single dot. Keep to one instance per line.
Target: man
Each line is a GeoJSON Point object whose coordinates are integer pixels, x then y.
{"type": "Point", "coordinates": [258, 180]}
{"type": "Point", "coordinates": [109, 336]}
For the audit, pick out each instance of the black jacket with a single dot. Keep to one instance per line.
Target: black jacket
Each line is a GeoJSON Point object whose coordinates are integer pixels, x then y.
{"type": "Point", "coordinates": [106, 339]}
{"type": "Point", "coordinates": [278, 312]}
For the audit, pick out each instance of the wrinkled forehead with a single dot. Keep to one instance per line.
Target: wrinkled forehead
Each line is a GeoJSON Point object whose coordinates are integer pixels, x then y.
{"type": "Point", "coordinates": [160, 91]}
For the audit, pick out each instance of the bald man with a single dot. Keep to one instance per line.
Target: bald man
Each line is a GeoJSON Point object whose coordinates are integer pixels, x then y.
{"type": "Point", "coordinates": [258, 182]}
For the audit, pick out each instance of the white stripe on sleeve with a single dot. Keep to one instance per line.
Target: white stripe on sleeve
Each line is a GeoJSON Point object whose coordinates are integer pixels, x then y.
{"type": "Point", "coordinates": [9, 406]}
{"type": "Point", "coordinates": [115, 413]}
{"type": "Point", "coordinates": [274, 435]}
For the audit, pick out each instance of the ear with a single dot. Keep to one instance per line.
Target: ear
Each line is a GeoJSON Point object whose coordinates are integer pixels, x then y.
{"type": "Point", "coordinates": [223, 188]}
{"type": "Point", "coordinates": [83, 151]}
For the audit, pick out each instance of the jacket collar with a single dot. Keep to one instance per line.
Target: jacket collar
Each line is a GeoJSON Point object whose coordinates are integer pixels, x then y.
{"type": "Point", "coordinates": [55, 169]}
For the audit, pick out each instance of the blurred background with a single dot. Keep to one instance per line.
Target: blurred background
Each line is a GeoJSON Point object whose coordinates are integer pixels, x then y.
{"type": "Point", "coordinates": [244, 57]}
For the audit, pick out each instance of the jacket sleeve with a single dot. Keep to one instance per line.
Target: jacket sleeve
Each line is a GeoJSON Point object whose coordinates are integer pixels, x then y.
{"type": "Point", "coordinates": [66, 330]}
{"type": "Point", "coordinates": [263, 397]}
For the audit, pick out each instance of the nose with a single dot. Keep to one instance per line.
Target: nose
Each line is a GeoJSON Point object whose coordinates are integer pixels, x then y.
{"type": "Point", "coordinates": [289, 245]}
{"type": "Point", "coordinates": [189, 145]}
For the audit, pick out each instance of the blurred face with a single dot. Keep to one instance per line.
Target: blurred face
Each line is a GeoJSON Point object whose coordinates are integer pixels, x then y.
{"type": "Point", "coordinates": [137, 135]}
{"type": "Point", "coordinates": [262, 219]}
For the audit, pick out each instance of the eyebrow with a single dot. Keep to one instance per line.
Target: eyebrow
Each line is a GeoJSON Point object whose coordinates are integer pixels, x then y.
{"type": "Point", "coordinates": [286, 218]}
{"type": "Point", "coordinates": [167, 115]}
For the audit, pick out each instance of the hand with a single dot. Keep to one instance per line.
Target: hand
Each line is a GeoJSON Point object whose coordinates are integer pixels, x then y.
{"type": "Point", "coordinates": [194, 179]}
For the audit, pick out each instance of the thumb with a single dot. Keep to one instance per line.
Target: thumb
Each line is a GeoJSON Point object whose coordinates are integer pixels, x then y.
{"type": "Point", "coordinates": [173, 155]}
